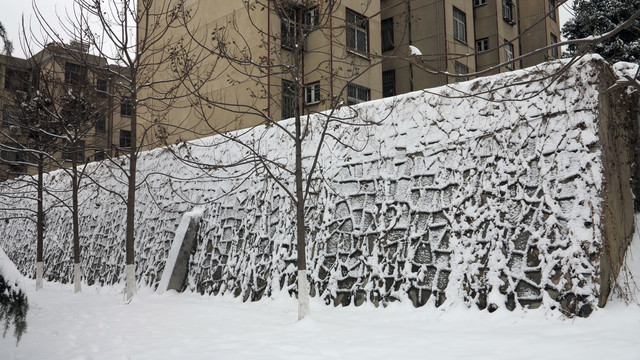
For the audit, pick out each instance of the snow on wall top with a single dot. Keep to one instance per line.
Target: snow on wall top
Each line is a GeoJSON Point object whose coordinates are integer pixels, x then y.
{"type": "Point", "coordinates": [489, 199]}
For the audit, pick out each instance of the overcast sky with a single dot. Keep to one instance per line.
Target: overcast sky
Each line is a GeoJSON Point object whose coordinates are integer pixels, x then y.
{"type": "Point", "coordinates": [12, 12]}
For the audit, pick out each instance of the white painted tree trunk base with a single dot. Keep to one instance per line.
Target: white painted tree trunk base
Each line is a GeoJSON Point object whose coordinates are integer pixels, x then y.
{"type": "Point", "coordinates": [130, 279]}
{"type": "Point", "coordinates": [76, 278]}
{"type": "Point", "coordinates": [303, 295]}
{"type": "Point", "coordinates": [39, 275]}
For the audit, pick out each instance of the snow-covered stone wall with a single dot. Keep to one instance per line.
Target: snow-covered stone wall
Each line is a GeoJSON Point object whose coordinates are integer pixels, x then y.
{"type": "Point", "coordinates": [494, 200]}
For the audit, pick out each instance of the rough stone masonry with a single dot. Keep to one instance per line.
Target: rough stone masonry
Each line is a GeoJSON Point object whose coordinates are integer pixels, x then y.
{"type": "Point", "coordinates": [507, 191]}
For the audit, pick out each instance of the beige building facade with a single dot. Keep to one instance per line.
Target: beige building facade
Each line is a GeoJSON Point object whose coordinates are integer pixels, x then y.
{"type": "Point", "coordinates": [261, 61]}
{"type": "Point", "coordinates": [264, 61]}
{"type": "Point", "coordinates": [457, 37]}
{"type": "Point", "coordinates": [52, 73]}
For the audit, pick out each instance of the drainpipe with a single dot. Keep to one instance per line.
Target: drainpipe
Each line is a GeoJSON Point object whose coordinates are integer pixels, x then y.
{"type": "Point", "coordinates": [410, 43]}
{"type": "Point", "coordinates": [519, 33]}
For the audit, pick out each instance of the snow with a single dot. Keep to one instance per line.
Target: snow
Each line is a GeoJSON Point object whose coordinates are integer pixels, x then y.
{"type": "Point", "coordinates": [95, 324]}
{"type": "Point", "coordinates": [405, 168]}
{"type": "Point", "coordinates": [478, 194]}
{"type": "Point", "coordinates": [9, 271]}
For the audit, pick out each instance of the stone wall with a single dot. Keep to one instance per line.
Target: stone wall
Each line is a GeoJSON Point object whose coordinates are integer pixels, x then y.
{"type": "Point", "coordinates": [512, 197]}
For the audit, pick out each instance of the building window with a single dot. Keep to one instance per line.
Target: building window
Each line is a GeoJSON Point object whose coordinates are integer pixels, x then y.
{"type": "Point", "coordinates": [11, 116]}
{"type": "Point", "coordinates": [459, 25]}
{"type": "Point", "coordinates": [357, 94]}
{"type": "Point", "coordinates": [101, 124]}
{"type": "Point", "coordinates": [387, 34]}
{"type": "Point", "coordinates": [312, 93]}
{"type": "Point", "coordinates": [288, 29]}
{"type": "Point", "coordinates": [507, 11]}
{"type": "Point", "coordinates": [479, 2]}
{"type": "Point", "coordinates": [357, 31]}
{"type": "Point", "coordinates": [74, 74]}
{"type": "Point", "coordinates": [289, 103]}
{"type": "Point", "coordinates": [508, 55]}
{"type": "Point", "coordinates": [101, 86]}
{"type": "Point", "coordinates": [126, 108]}
{"type": "Point", "coordinates": [99, 155]}
{"type": "Point", "coordinates": [16, 80]}
{"type": "Point", "coordinates": [554, 50]}
{"type": "Point", "coordinates": [388, 83]}
{"type": "Point", "coordinates": [482, 45]}
{"type": "Point", "coordinates": [552, 9]}
{"type": "Point", "coordinates": [11, 153]}
{"type": "Point", "coordinates": [125, 139]}
{"type": "Point", "coordinates": [312, 17]}
{"type": "Point", "coordinates": [461, 69]}
{"type": "Point", "coordinates": [77, 150]}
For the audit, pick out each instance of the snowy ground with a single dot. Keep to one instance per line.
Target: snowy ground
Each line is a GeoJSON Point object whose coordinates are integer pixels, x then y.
{"type": "Point", "coordinates": [97, 325]}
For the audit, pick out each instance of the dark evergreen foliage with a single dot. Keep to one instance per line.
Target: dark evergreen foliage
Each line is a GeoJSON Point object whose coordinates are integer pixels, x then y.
{"type": "Point", "coordinates": [597, 17]}
{"type": "Point", "coordinates": [8, 45]}
{"type": "Point", "coordinates": [13, 308]}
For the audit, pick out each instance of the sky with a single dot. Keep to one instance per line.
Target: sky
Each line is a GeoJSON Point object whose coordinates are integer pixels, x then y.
{"type": "Point", "coordinates": [14, 10]}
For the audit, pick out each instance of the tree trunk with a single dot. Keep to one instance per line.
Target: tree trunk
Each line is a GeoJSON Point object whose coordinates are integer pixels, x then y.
{"type": "Point", "coordinates": [40, 225]}
{"type": "Point", "coordinates": [76, 225]}
{"type": "Point", "coordinates": [303, 286]}
{"type": "Point", "coordinates": [130, 270]}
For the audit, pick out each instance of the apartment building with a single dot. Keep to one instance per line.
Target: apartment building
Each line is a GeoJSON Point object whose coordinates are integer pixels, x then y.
{"type": "Point", "coordinates": [352, 51]}
{"type": "Point", "coordinates": [260, 56]}
{"type": "Point", "coordinates": [267, 60]}
{"type": "Point", "coordinates": [459, 37]}
{"type": "Point", "coordinates": [51, 73]}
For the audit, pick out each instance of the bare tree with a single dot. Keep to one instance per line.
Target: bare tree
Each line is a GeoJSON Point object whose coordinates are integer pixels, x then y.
{"type": "Point", "coordinates": [31, 140]}
{"type": "Point", "coordinates": [250, 69]}
{"type": "Point", "coordinates": [41, 131]}
{"type": "Point", "coordinates": [56, 114]}
{"type": "Point", "coordinates": [132, 37]}
{"type": "Point", "coordinates": [78, 116]}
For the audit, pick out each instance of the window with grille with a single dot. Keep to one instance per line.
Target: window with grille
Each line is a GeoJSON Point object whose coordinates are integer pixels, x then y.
{"type": "Point", "coordinates": [387, 34]}
{"type": "Point", "coordinates": [554, 50]}
{"type": "Point", "coordinates": [312, 17]}
{"type": "Point", "coordinates": [461, 69]}
{"type": "Point", "coordinates": [507, 11]}
{"type": "Point", "coordinates": [459, 25]}
{"type": "Point", "coordinates": [288, 29]}
{"type": "Point", "coordinates": [508, 55]}
{"type": "Point", "coordinates": [101, 86]}
{"type": "Point", "coordinates": [11, 116]}
{"type": "Point", "coordinates": [99, 155]}
{"type": "Point", "coordinates": [388, 83]}
{"type": "Point", "coordinates": [357, 94]}
{"type": "Point", "coordinates": [101, 124]}
{"type": "Point", "coordinates": [16, 80]}
{"type": "Point", "coordinates": [552, 9]}
{"type": "Point", "coordinates": [479, 2]}
{"type": "Point", "coordinates": [289, 102]}
{"type": "Point", "coordinates": [357, 31]}
{"type": "Point", "coordinates": [125, 139]}
{"type": "Point", "coordinates": [126, 108]}
{"type": "Point", "coordinates": [75, 74]}
{"type": "Point", "coordinates": [69, 151]}
{"type": "Point", "coordinates": [312, 93]}
{"type": "Point", "coordinates": [482, 45]}
{"type": "Point", "coordinates": [10, 152]}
